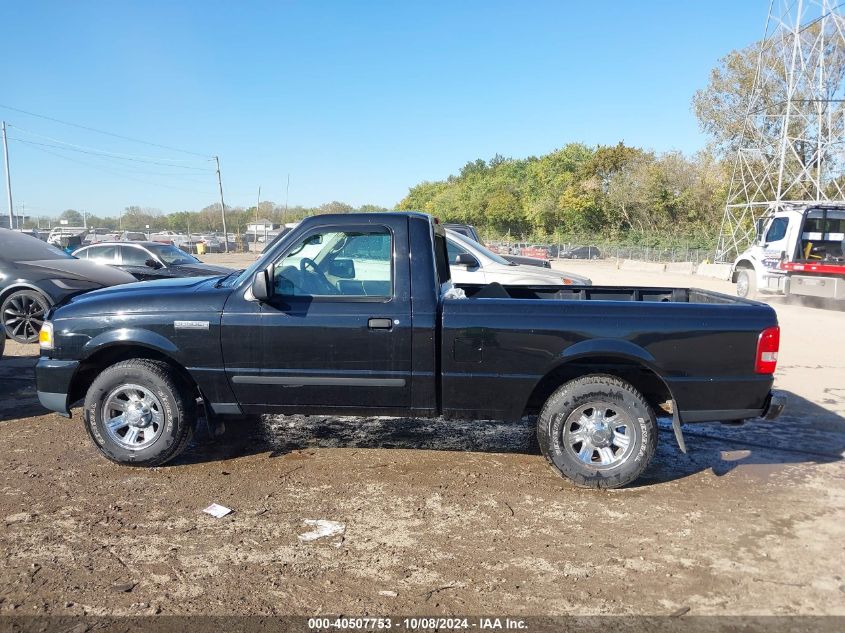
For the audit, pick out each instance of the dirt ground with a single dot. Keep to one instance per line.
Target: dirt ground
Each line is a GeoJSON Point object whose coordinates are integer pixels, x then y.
{"type": "Point", "coordinates": [440, 517]}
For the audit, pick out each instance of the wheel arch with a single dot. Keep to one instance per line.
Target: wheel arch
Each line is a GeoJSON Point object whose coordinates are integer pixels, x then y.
{"type": "Point", "coordinates": [742, 264]}
{"type": "Point", "coordinates": [25, 285]}
{"type": "Point", "coordinates": [635, 370]}
{"type": "Point", "coordinates": [109, 354]}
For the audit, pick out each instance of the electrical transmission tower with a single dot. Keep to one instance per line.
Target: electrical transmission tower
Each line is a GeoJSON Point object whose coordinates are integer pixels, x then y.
{"type": "Point", "coordinates": [792, 148]}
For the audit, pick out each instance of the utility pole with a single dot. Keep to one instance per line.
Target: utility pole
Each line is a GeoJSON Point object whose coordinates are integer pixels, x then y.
{"type": "Point", "coordinates": [8, 178]}
{"type": "Point", "coordinates": [255, 228]}
{"type": "Point", "coordinates": [287, 191]}
{"type": "Point", "coordinates": [222, 205]}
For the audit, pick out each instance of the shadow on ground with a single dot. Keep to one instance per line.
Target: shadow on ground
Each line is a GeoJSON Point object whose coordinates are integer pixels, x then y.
{"type": "Point", "coordinates": [805, 433]}
{"type": "Point", "coordinates": [17, 388]}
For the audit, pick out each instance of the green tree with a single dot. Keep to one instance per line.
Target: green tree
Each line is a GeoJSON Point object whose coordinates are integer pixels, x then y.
{"type": "Point", "coordinates": [73, 217]}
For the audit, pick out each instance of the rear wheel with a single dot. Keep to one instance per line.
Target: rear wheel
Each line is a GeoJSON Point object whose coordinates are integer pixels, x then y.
{"type": "Point", "coordinates": [23, 314]}
{"type": "Point", "coordinates": [598, 431]}
{"type": "Point", "coordinates": [139, 413]}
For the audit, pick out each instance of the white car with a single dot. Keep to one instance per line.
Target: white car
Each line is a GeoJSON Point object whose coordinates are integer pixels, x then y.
{"type": "Point", "coordinates": [472, 263]}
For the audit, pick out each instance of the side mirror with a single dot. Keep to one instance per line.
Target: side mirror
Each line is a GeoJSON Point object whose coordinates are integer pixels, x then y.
{"type": "Point", "coordinates": [262, 284]}
{"type": "Point", "coordinates": [465, 259]}
{"type": "Point", "coordinates": [151, 263]}
{"type": "Point", "coordinates": [342, 269]}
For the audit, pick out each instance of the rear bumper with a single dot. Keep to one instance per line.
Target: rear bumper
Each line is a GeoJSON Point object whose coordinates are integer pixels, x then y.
{"type": "Point", "coordinates": [775, 403]}
{"type": "Point", "coordinates": [53, 380]}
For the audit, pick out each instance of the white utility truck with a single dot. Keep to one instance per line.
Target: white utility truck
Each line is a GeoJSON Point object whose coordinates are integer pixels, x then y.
{"type": "Point", "coordinates": [799, 250]}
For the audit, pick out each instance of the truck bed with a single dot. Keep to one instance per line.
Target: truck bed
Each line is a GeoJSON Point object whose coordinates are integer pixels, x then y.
{"type": "Point", "coordinates": [500, 342]}
{"type": "Point", "coordinates": [600, 293]}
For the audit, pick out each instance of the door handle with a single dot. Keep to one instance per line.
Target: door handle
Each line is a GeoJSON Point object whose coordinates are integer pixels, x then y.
{"type": "Point", "coordinates": [380, 324]}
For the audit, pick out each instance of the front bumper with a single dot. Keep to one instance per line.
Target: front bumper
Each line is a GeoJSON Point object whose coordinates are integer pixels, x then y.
{"type": "Point", "coordinates": [53, 380]}
{"type": "Point", "coordinates": [775, 406]}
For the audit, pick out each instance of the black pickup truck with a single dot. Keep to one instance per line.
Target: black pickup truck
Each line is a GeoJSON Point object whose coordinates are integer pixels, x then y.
{"type": "Point", "coordinates": [356, 314]}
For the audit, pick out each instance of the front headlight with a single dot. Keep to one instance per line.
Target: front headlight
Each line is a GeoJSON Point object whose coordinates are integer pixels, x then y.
{"type": "Point", "coordinates": [45, 336]}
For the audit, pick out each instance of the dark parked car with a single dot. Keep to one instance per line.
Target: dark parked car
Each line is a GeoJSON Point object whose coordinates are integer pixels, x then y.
{"type": "Point", "coordinates": [356, 314]}
{"type": "Point", "coordinates": [149, 260]}
{"type": "Point", "coordinates": [35, 275]}
{"type": "Point", "coordinates": [580, 252]}
{"type": "Point", "coordinates": [468, 230]}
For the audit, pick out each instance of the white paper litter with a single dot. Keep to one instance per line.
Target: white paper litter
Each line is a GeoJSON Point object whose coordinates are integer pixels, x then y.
{"type": "Point", "coordinates": [322, 528]}
{"type": "Point", "coordinates": [388, 593]}
{"type": "Point", "coordinates": [217, 511]}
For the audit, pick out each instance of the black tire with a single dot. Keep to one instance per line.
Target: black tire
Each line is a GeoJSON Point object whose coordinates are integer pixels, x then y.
{"type": "Point", "coordinates": [558, 427]}
{"type": "Point", "coordinates": [746, 283]}
{"type": "Point", "coordinates": [23, 313]}
{"type": "Point", "coordinates": [171, 420]}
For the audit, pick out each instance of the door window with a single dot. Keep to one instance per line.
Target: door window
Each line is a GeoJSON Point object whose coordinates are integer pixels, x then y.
{"type": "Point", "coordinates": [133, 256]}
{"type": "Point", "coordinates": [102, 254]}
{"type": "Point", "coordinates": [777, 230]}
{"type": "Point", "coordinates": [338, 263]}
{"type": "Point", "coordinates": [454, 249]}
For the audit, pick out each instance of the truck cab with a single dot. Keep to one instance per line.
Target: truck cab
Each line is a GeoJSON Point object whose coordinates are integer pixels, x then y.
{"type": "Point", "coordinates": [789, 241]}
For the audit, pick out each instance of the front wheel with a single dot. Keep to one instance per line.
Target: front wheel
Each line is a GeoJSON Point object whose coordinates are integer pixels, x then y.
{"type": "Point", "coordinates": [746, 284]}
{"type": "Point", "coordinates": [598, 431]}
{"type": "Point", "coordinates": [139, 413]}
{"type": "Point", "coordinates": [23, 313]}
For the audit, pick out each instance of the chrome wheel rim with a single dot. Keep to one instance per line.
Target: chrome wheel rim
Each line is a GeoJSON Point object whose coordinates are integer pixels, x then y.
{"type": "Point", "coordinates": [23, 316]}
{"type": "Point", "coordinates": [133, 417]}
{"type": "Point", "coordinates": [742, 285]}
{"type": "Point", "coordinates": [599, 435]}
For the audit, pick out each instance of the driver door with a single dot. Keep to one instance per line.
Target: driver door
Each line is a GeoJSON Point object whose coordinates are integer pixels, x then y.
{"type": "Point", "coordinates": [337, 332]}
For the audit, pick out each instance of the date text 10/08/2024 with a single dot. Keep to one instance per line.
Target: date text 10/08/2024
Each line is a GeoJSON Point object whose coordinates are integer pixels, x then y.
{"type": "Point", "coordinates": [417, 623]}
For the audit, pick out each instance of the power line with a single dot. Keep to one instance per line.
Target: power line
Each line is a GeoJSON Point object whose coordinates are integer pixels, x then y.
{"type": "Point", "coordinates": [40, 147]}
{"type": "Point", "coordinates": [93, 152]}
{"type": "Point", "coordinates": [91, 129]}
{"type": "Point", "coordinates": [131, 169]}
{"type": "Point", "coordinates": [109, 152]}
{"type": "Point", "coordinates": [119, 168]}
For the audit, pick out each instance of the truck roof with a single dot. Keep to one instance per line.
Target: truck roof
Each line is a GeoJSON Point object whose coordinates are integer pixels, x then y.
{"type": "Point", "coordinates": [370, 216]}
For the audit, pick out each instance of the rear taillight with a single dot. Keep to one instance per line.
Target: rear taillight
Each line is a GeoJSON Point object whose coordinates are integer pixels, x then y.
{"type": "Point", "coordinates": [767, 350]}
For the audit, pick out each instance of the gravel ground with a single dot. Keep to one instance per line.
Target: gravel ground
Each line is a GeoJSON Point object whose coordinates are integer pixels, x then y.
{"type": "Point", "coordinates": [440, 517]}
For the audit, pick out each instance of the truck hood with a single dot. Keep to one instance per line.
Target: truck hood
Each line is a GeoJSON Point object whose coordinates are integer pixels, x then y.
{"type": "Point", "coordinates": [165, 295]}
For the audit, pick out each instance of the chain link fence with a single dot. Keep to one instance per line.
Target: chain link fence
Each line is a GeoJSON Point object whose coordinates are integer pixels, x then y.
{"type": "Point", "coordinates": [601, 250]}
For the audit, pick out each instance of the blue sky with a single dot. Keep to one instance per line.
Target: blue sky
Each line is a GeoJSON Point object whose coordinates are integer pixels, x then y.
{"type": "Point", "coordinates": [357, 101]}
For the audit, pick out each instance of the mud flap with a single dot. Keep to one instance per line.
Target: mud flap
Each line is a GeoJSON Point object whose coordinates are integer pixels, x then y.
{"type": "Point", "coordinates": [214, 423]}
{"type": "Point", "coordinates": [676, 426]}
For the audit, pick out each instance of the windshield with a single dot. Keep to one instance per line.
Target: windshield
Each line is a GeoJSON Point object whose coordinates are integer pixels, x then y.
{"type": "Point", "coordinates": [478, 248]}
{"type": "Point", "coordinates": [18, 247]}
{"type": "Point", "coordinates": [171, 255]}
